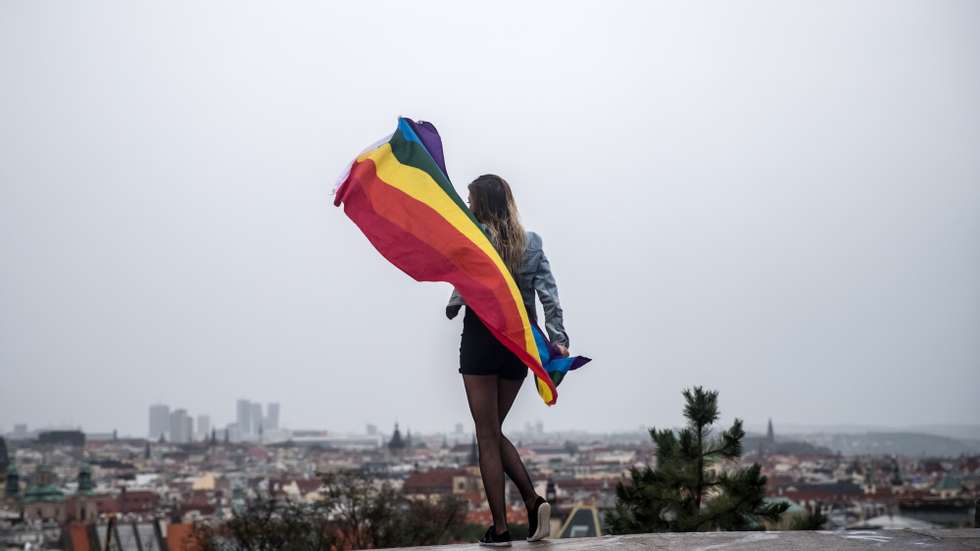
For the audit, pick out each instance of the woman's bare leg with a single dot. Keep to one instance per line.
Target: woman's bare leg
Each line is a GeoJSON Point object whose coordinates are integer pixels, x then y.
{"type": "Point", "coordinates": [481, 393]}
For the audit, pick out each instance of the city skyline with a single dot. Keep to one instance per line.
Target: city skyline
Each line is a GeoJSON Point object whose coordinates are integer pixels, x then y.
{"type": "Point", "coordinates": [965, 431]}
{"type": "Point", "coordinates": [249, 422]}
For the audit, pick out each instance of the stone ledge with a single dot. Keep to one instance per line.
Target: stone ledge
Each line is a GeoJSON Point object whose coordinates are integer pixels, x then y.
{"type": "Point", "coordinates": [893, 540]}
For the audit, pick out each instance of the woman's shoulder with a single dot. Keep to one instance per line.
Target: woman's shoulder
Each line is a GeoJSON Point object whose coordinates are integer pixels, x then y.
{"type": "Point", "coordinates": [533, 240]}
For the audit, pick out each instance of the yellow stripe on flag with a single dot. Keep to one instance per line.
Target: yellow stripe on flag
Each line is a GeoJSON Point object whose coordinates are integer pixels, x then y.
{"type": "Point", "coordinates": [419, 185]}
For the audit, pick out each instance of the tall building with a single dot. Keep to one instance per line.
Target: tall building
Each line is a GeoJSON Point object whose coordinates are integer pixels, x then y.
{"type": "Point", "coordinates": [272, 418]}
{"type": "Point", "coordinates": [243, 418]}
{"type": "Point", "coordinates": [256, 417]}
{"type": "Point", "coordinates": [159, 420]}
{"type": "Point", "coordinates": [232, 433]}
{"type": "Point", "coordinates": [203, 427]}
{"type": "Point", "coordinates": [181, 427]}
{"type": "Point", "coordinates": [20, 431]}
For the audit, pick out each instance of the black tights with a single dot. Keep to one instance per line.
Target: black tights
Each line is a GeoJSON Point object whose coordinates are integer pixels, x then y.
{"type": "Point", "coordinates": [490, 398]}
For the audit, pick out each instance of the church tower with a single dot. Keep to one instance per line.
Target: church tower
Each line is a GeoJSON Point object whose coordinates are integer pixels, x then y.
{"type": "Point", "coordinates": [396, 444]}
{"type": "Point", "coordinates": [474, 458]}
{"type": "Point", "coordinates": [85, 485]}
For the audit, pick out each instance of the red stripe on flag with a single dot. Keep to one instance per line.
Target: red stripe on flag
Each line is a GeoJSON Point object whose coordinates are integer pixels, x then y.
{"type": "Point", "coordinates": [422, 222]}
{"type": "Point", "coordinates": [397, 225]}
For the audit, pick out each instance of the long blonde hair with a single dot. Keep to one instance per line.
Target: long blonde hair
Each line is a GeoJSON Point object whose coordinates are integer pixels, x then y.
{"type": "Point", "coordinates": [493, 205]}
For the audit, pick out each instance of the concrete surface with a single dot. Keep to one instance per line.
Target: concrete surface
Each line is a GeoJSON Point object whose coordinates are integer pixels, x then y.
{"type": "Point", "coordinates": [897, 540]}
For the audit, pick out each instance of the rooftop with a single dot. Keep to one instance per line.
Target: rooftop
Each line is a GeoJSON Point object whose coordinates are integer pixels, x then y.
{"type": "Point", "coordinates": [894, 540]}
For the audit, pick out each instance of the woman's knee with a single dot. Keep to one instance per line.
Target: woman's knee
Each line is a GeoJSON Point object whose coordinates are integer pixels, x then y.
{"type": "Point", "coordinates": [489, 435]}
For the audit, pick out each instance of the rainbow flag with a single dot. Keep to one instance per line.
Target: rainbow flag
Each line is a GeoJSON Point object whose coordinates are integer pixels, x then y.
{"type": "Point", "coordinates": [398, 193]}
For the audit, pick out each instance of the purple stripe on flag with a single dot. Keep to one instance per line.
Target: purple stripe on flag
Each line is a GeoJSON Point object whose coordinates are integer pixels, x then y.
{"type": "Point", "coordinates": [426, 131]}
{"type": "Point", "coordinates": [579, 361]}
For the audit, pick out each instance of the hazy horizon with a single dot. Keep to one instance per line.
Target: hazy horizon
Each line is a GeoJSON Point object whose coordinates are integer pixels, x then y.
{"type": "Point", "coordinates": [776, 200]}
{"type": "Point", "coordinates": [964, 432]}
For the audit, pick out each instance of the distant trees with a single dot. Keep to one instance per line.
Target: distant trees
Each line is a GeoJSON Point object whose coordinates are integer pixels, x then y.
{"type": "Point", "coordinates": [355, 513]}
{"type": "Point", "coordinates": [369, 516]}
{"type": "Point", "coordinates": [265, 525]}
{"type": "Point", "coordinates": [685, 493]}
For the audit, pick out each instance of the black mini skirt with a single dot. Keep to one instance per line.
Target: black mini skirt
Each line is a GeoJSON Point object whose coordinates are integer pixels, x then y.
{"type": "Point", "coordinates": [480, 353]}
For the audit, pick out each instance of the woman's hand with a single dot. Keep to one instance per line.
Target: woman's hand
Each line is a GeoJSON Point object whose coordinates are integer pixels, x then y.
{"type": "Point", "coordinates": [561, 350]}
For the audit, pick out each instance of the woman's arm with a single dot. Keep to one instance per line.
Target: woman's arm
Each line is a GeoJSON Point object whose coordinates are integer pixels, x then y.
{"type": "Point", "coordinates": [455, 303]}
{"type": "Point", "coordinates": [544, 283]}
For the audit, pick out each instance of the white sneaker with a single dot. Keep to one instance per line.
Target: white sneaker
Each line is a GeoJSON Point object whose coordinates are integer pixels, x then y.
{"type": "Point", "coordinates": [539, 520]}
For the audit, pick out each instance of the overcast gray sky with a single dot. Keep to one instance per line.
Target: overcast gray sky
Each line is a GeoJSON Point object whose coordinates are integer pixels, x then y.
{"type": "Point", "coordinates": [778, 200]}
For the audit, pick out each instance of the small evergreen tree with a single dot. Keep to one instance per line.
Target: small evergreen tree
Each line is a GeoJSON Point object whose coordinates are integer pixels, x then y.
{"type": "Point", "coordinates": [684, 493]}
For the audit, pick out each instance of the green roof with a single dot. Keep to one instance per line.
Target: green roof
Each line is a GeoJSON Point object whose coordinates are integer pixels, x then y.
{"type": "Point", "coordinates": [950, 483]}
{"type": "Point", "coordinates": [48, 492]}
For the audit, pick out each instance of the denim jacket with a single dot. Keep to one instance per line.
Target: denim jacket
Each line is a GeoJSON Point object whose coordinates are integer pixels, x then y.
{"type": "Point", "coordinates": [535, 275]}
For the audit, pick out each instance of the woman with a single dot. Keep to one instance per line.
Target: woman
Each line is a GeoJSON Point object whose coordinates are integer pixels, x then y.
{"type": "Point", "coordinates": [492, 375]}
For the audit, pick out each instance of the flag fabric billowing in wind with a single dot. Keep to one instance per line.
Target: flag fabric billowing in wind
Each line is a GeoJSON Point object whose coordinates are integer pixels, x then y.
{"type": "Point", "coordinates": [399, 194]}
